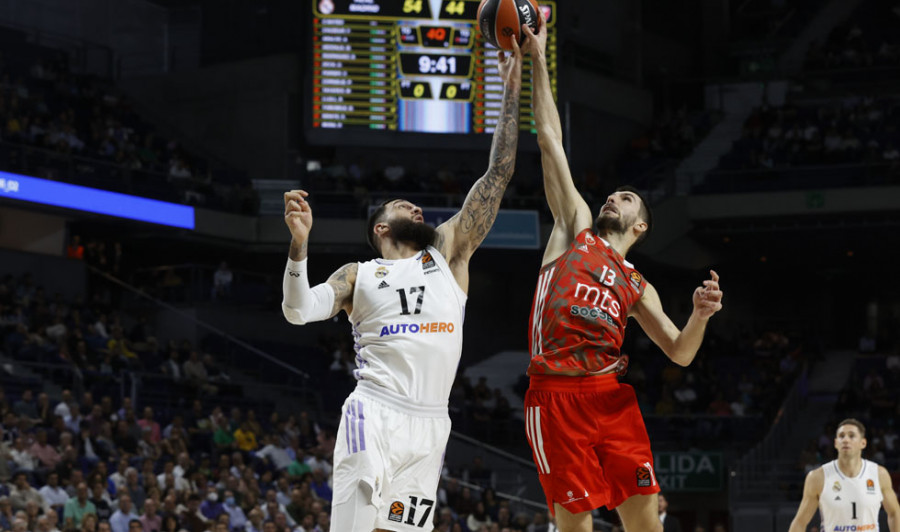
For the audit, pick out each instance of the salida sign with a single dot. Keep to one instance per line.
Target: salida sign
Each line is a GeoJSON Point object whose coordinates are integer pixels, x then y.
{"type": "Point", "coordinates": [688, 471]}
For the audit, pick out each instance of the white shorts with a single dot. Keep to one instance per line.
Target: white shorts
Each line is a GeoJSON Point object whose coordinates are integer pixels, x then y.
{"type": "Point", "coordinates": [394, 452]}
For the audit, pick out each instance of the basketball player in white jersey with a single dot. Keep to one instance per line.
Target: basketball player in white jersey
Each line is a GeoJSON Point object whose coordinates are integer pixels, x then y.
{"type": "Point", "coordinates": [406, 310]}
{"type": "Point", "coordinates": [849, 491]}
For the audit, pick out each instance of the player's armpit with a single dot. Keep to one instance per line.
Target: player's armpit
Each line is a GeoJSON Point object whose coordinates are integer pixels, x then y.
{"type": "Point", "coordinates": [342, 282]}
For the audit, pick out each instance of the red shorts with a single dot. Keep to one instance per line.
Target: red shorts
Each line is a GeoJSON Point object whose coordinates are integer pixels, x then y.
{"type": "Point", "coordinates": [588, 441]}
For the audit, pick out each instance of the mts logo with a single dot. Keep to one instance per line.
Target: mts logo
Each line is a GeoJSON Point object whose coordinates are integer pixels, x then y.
{"type": "Point", "coordinates": [593, 294]}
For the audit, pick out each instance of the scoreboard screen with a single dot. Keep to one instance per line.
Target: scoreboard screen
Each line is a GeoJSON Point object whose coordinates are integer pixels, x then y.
{"type": "Point", "coordinates": [382, 71]}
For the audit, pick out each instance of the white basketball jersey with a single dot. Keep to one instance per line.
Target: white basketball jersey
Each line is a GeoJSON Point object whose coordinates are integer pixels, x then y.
{"type": "Point", "coordinates": [407, 321]}
{"type": "Point", "coordinates": [850, 503]}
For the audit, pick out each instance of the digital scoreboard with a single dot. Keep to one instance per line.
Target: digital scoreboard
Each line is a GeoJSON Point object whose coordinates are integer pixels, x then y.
{"type": "Point", "coordinates": [383, 70]}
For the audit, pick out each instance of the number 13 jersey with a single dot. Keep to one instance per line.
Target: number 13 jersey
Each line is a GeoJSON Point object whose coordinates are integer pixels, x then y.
{"type": "Point", "coordinates": [407, 324]}
{"type": "Point", "coordinates": [580, 310]}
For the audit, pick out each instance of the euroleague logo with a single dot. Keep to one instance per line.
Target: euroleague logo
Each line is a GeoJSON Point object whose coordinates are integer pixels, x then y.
{"type": "Point", "coordinates": [396, 512]}
{"type": "Point", "coordinates": [635, 279]}
{"type": "Point", "coordinates": [644, 479]}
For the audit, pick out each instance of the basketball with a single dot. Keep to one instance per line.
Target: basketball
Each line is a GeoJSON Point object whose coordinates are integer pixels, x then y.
{"type": "Point", "coordinates": [501, 20]}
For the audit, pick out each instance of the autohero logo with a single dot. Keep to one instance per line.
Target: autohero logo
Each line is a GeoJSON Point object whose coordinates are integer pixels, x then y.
{"type": "Point", "coordinates": [853, 528]}
{"type": "Point", "coordinates": [418, 328]}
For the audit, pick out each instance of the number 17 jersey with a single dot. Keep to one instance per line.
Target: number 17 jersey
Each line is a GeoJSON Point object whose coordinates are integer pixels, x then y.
{"type": "Point", "coordinates": [407, 324]}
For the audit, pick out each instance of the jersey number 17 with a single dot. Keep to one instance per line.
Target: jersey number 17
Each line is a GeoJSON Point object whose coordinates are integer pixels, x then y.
{"type": "Point", "coordinates": [404, 305]}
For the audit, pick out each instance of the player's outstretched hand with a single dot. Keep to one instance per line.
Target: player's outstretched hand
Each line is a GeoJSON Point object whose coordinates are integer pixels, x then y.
{"type": "Point", "coordinates": [708, 298]}
{"type": "Point", "coordinates": [534, 43]}
{"type": "Point", "coordinates": [298, 214]}
{"type": "Point", "coordinates": [510, 64]}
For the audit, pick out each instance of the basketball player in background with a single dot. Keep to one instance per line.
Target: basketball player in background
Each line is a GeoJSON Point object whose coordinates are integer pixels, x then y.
{"type": "Point", "coordinates": [585, 429]}
{"type": "Point", "coordinates": [850, 490]}
{"type": "Point", "coordinates": [406, 312]}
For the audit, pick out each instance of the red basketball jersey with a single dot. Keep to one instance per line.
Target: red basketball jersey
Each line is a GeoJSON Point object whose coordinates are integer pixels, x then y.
{"type": "Point", "coordinates": [580, 310]}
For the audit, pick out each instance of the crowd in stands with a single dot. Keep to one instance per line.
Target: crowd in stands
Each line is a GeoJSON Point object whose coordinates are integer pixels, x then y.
{"type": "Point", "coordinates": [83, 130]}
{"type": "Point", "coordinates": [851, 131]}
{"type": "Point", "coordinates": [867, 39]}
{"type": "Point", "coordinates": [348, 187]}
{"type": "Point", "coordinates": [850, 47]}
{"type": "Point", "coordinates": [869, 396]}
{"type": "Point", "coordinates": [49, 107]}
{"type": "Point", "coordinates": [95, 451]}
{"type": "Point", "coordinates": [672, 138]}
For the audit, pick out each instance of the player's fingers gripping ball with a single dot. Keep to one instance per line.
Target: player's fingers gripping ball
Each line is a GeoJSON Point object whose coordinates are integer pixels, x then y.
{"type": "Point", "coordinates": [500, 21]}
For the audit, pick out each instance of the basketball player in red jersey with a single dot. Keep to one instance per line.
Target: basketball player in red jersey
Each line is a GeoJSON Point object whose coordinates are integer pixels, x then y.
{"type": "Point", "coordinates": [585, 429]}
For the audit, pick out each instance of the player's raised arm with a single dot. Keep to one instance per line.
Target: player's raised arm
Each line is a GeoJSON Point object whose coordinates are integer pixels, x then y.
{"type": "Point", "coordinates": [811, 490]}
{"type": "Point", "coordinates": [458, 237]}
{"type": "Point", "coordinates": [571, 214]}
{"type": "Point", "coordinates": [679, 345]}
{"type": "Point", "coordinates": [889, 500]}
{"type": "Point", "coordinates": [302, 304]}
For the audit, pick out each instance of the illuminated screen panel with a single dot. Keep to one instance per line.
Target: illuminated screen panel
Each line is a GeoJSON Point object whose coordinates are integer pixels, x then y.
{"type": "Point", "coordinates": [44, 192]}
{"type": "Point", "coordinates": [408, 66]}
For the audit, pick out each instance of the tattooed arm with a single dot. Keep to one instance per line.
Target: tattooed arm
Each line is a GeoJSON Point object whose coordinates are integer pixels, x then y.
{"type": "Point", "coordinates": [458, 237]}
{"type": "Point", "coordinates": [302, 304]}
{"type": "Point", "coordinates": [342, 282]}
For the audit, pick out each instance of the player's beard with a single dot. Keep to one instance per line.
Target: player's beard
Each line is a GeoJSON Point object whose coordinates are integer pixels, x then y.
{"type": "Point", "coordinates": [420, 234]}
{"type": "Point", "coordinates": [605, 225]}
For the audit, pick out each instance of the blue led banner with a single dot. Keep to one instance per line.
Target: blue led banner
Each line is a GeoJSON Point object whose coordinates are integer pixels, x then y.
{"type": "Point", "coordinates": [19, 187]}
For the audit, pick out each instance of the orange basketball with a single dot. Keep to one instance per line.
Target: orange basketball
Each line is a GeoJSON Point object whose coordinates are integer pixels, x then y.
{"type": "Point", "coordinates": [501, 20]}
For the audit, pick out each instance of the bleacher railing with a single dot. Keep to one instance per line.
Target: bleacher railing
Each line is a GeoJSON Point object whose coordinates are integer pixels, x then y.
{"type": "Point", "coordinates": [759, 476]}
{"type": "Point", "coordinates": [298, 381]}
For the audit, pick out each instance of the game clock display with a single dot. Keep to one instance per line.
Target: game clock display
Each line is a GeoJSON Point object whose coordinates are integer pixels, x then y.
{"type": "Point", "coordinates": [408, 66]}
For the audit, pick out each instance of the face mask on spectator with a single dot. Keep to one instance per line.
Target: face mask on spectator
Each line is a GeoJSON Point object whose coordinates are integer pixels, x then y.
{"type": "Point", "coordinates": [229, 501]}
{"type": "Point", "coordinates": [212, 497]}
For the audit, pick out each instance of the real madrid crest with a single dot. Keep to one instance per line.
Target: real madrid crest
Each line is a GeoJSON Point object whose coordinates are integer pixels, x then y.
{"type": "Point", "coordinates": [380, 272]}
{"type": "Point", "coordinates": [836, 486]}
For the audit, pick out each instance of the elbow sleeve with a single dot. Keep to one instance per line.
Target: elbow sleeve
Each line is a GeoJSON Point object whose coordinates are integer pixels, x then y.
{"type": "Point", "coordinates": [302, 304]}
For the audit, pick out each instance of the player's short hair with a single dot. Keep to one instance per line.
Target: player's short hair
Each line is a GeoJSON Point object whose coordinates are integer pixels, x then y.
{"type": "Point", "coordinates": [645, 213]}
{"type": "Point", "coordinates": [856, 423]}
{"type": "Point", "coordinates": [376, 217]}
